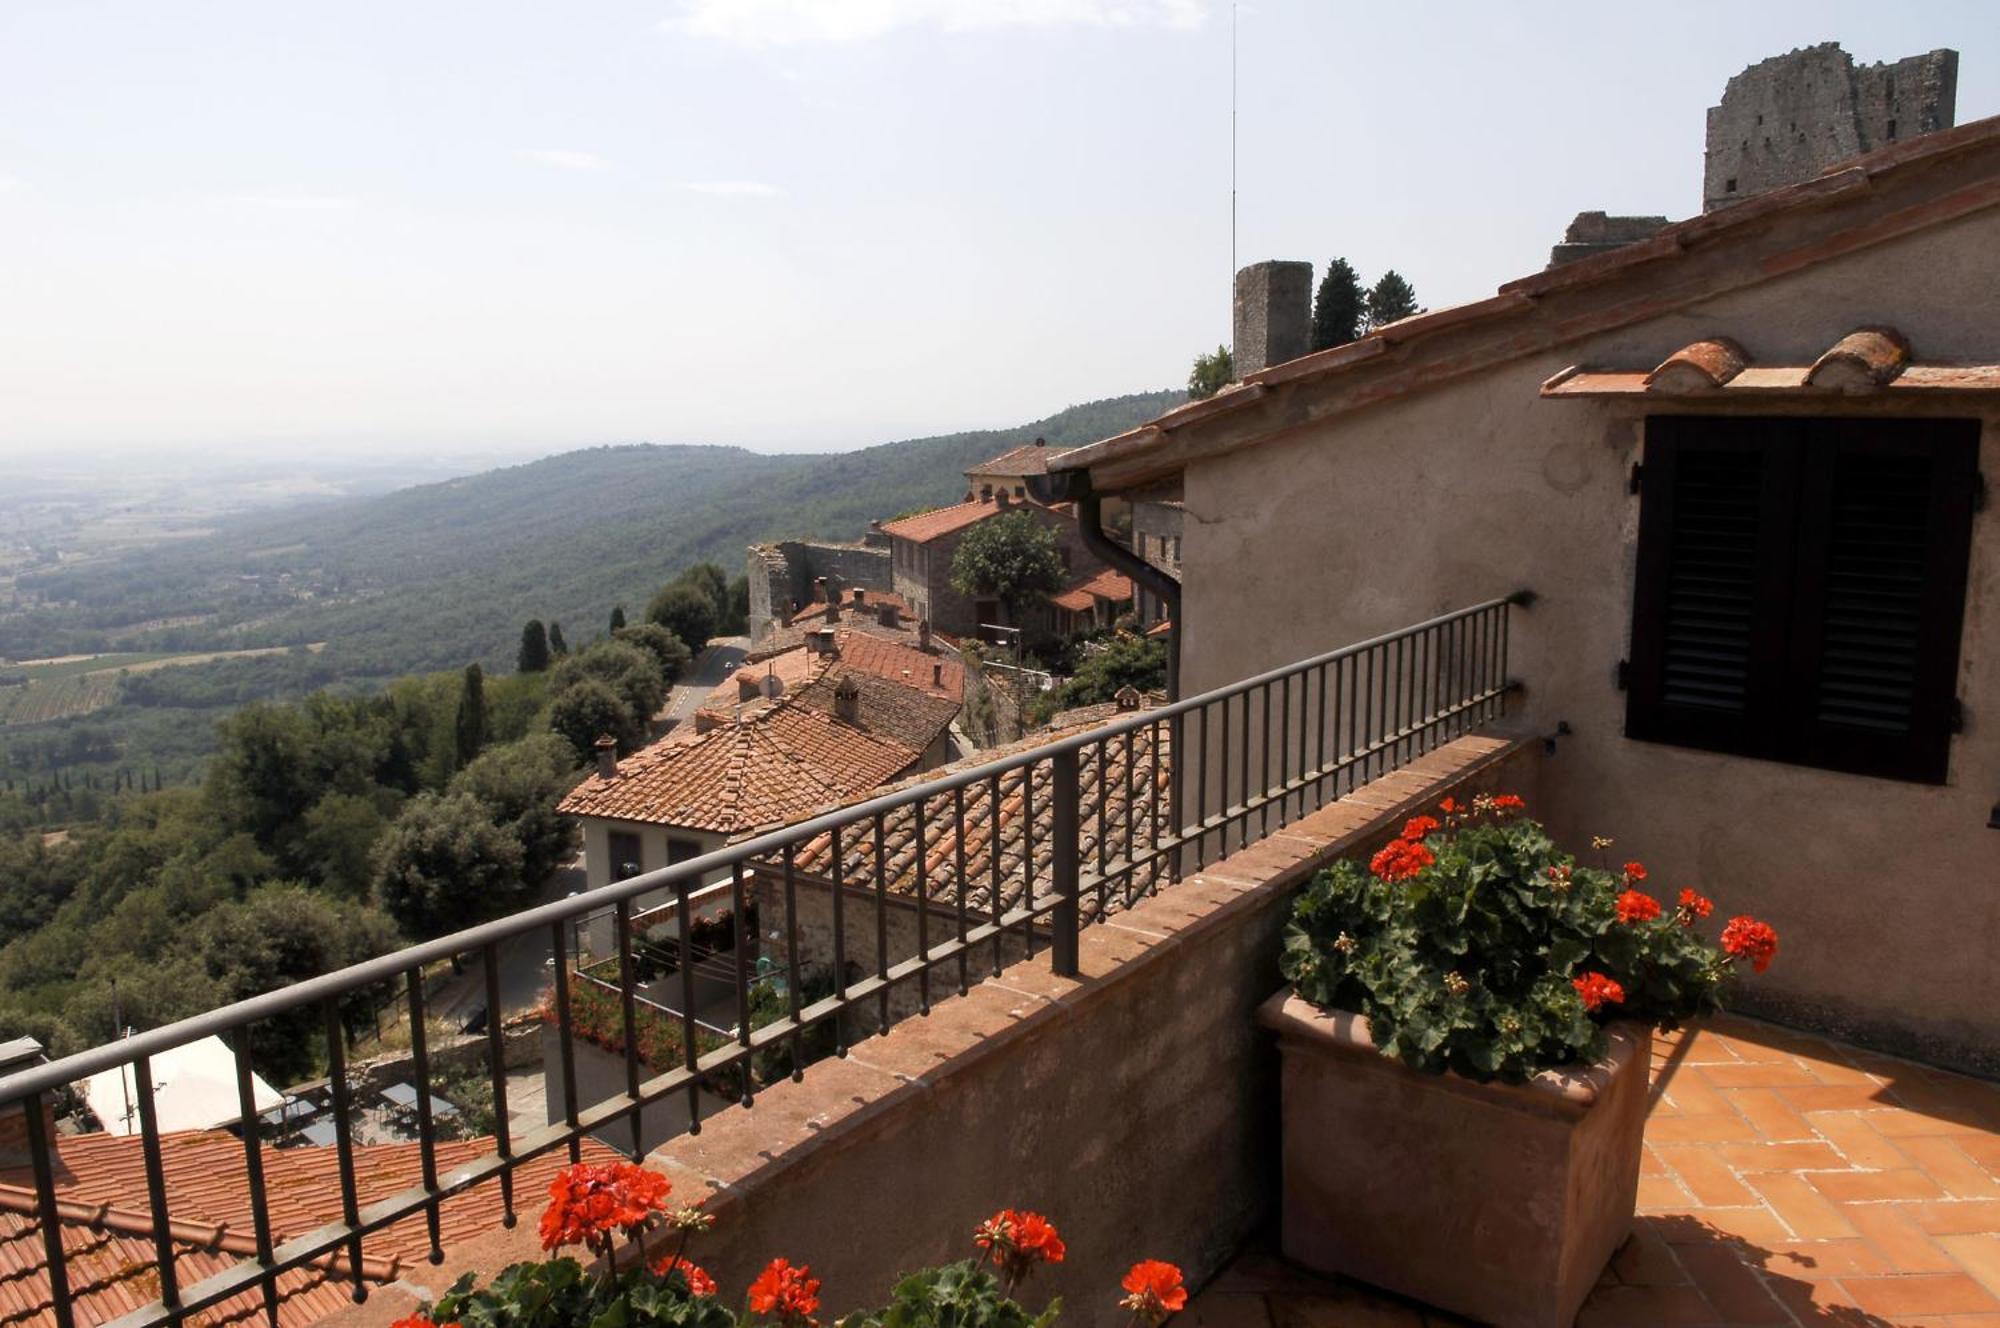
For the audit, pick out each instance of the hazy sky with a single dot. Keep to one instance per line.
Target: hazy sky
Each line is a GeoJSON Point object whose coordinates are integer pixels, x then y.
{"type": "Point", "coordinates": [519, 227]}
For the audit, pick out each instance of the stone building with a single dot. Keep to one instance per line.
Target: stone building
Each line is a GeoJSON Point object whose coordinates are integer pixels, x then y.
{"type": "Point", "coordinates": [1156, 537]}
{"type": "Point", "coordinates": [792, 574]}
{"type": "Point", "coordinates": [1789, 118]}
{"type": "Point", "coordinates": [1738, 467]}
{"type": "Point", "coordinates": [922, 548]}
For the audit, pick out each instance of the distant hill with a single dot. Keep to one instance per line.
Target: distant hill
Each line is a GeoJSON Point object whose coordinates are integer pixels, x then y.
{"type": "Point", "coordinates": [435, 576]}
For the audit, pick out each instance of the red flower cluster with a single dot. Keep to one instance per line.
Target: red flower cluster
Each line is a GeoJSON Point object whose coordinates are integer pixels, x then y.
{"type": "Point", "coordinates": [1597, 990]}
{"type": "Point", "coordinates": [1747, 938]}
{"type": "Point", "coordinates": [1635, 871]}
{"type": "Point", "coordinates": [1694, 906]}
{"type": "Point", "coordinates": [1154, 1290]}
{"type": "Point", "coordinates": [1508, 802]}
{"type": "Point", "coordinates": [1450, 807]}
{"type": "Point", "coordinates": [1418, 826]}
{"type": "Point", "coordinates": [789, 1294]}
{"type": "Point", "coordinates": [421, 1321]}
{"type": "Point", "coordinates": [1016, 1241]}
{"type": "Point", "coordinates": [1637, 906]}
{"type": "Point", "coordinates": [1401, 860]}
{"type": "Point", "coordinates": [589, 1204]}
{"type": "Point", "coordinates": [699, 1283]}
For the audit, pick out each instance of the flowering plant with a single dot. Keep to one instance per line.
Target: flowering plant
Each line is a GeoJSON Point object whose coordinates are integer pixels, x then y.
{"type": "Point", "coordinates": [1472, 944]}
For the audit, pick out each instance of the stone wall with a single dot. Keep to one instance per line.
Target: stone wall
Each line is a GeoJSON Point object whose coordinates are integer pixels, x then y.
{"type": "Point", "coordinates": [784, 573]}
{"type": "Point", "coordinates": [1791, 117]}
{"type": "Point", "coordinates": [924, 578]}
{"type": "Point", "coordinates": [1272, 315]}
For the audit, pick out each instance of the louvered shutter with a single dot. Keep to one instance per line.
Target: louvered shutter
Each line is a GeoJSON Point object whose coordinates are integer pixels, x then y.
{"type": "Point", "coordinates": [1715, 545]}
{"type": "Point", "coordinates": [1884, 538]}
{"type": "Point", "coordinates": [1800, 588]}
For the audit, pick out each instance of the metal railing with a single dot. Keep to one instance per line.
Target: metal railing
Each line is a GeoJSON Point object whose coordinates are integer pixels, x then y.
{"type": "Point", "coordinates": [963, 871]}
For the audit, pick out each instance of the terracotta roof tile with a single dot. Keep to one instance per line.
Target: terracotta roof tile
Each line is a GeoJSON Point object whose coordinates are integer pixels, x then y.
{"type": "Point", "coordinates": [101, 1180]}
{"type": "Point", "coordinates": [927, 526]}
{"type": "Point", "coordinates": [1114, 587]}
{"type": "Point", "coordinates": [1869, 360]}
{"type": "Point", "coordinates": [1027, 459]}
{"type": "Point", "coordinates": [911, 716]}
{"type": "Point", "coordinates": [781, 764]}
{"type": "Point", "coordinates": [780, 639]}
{"type": "Point", "coordinates": [1007, 828]}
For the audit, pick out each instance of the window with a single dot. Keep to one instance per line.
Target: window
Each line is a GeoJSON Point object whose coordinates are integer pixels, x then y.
{"type": "Point", "coordinates": [627, 859]}
{"type": "Point", "coordinates": [680, 850]}
{"type": "Point", "coordinates": [1800, 588]}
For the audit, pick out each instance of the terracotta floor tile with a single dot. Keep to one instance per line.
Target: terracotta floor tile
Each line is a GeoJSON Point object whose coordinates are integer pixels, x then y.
{"type": "Point", "coordinates": [1983, 1149]}
{"type": "Point", "coordinates": [1706, 1175]}
{"type": "Point", "coordinates": [1771, 1114]}
{"type": "Point", "coordinates": [1736, 1292]}
{"type": "Point", "coordinates": [1875, 1186]}
{"type": "Point", "coordinates": [1892, 1229]}
{"type": "Point", "coordinates": [1805, 1210]}
{"type": "Point", "coordinates": [1933, 1293]}
{"type": "Point", "coordinates": [1689, 1090]}
{"type": "Point", "coordinates": [1825, 1301]}
{"type": "Point", "coordinates": [1818, 1259]}
{"type": "Point", "coordinates": [1646, 1259]}
{"type": "Point", "coordinates": [1945, 1160]}
{"type": "Point", "coordinates": [1979, 1255]}
{"type": "Point", "coordinates": [1780, 1157]}
{"type": "Point", "coordinates": [1835, 1097]}
{"type": "Point", "coordinates": [1762, 1074]}
{"type": "Point", "coordinates": [1906, 1123]}
{"type": "Point", "coordinates": [1662, 1192]}
{"type": "Point", "coordinates": [1718, 1128]}
{"type": "Point", "coordinates": [1858, 1141]}
{"type": "Point", "coordinates": [1759, 1226]}
{"type": "Point", "coordinates": [1644, 1307]}
{"type": "Point", "coordinates": [1958, 1217]}
{"type": "Point", "coordinates": [1649, 1162]}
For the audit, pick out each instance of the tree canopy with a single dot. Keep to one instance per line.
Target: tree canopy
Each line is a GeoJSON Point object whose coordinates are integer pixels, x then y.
{"type": "Point", "coordinates": [444, 864]}
{"type": "Point", "coordinates": [1211, 373]}
{"type": "Point", "coordinates": [687, 611]}
{"type": "Point", "coordinates": [533, 656]}
{"type": "Point", "coordinates": [1390, 299]}
{"type": "Point", "coordinates": [1340, 308]}
{"type": "Point", "coordinates": [1011, 557]}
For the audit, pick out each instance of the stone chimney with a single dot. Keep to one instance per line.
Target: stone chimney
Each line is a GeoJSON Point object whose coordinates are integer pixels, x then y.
{"type": "Point", "coordinates": [1598, 233]}
{"type": "Point", "coordinates": [824, 642]}
{"type": "Point", "coordinates": [1273, 315]}
{"type": "Point", "coordinates": [937, 676]}
{"type": "Point", "coordinates": [706, 721]}
{"type": "Point", "coordinates": [888, 616]}
{"type": "Point", "coordinates": [847, 699]}
{"type": "Point", "coordinates": [606, 748]}
{"type": "Point", "coordinates": [860, 597]}
{"type": "Point", "coordinates": [748, 686]}
{"type": "Point", "coordinates": [833, 608]}
{"type": "Point", "coordinates": [785, 613]}
{"type": "Point", "coordinates": [19, 1055]}
{"type": "Point", "coordinates": [923, 633]}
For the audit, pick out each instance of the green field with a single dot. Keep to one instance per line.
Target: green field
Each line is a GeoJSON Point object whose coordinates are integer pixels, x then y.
{"type": "Point", "coordinates": [63, 688]}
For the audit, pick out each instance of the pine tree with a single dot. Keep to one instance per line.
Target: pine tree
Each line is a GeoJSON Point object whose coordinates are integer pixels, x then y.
{"type": "Point", "coordinates": [557, 646]}
{"type": "Point", "coordinates": [617, 619]}
{"type": "Point", "coordinates": [1211, 373]}
{"type": "Point", "coordinates": [1392, 298]}
{"type": "Point", "coordinates": [533, 657]}
{"type": "Point", "coordinates": [470, 727]}
{"type": "Point", "coordinates": [1340, 306]}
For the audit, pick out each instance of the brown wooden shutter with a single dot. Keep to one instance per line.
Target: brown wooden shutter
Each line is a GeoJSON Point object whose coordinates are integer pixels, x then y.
{"type": "Point", "coordinates": [1884, 538]}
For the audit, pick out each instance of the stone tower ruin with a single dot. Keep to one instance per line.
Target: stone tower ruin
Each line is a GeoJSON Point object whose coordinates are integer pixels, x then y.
{"type": "Point", "coordinates": [1791, 117]}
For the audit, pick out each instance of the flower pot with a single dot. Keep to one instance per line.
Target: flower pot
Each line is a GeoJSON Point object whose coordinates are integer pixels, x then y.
{"type": "Point", "coordinates": [1501, 1202]}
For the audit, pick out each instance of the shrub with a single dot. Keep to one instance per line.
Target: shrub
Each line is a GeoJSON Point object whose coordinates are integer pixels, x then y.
{"type": "Point", "coordinates": [1472, 945]}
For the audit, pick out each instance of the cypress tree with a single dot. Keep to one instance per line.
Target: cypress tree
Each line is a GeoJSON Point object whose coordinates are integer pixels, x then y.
{"type": "Point", "coordinates": [617, 619]}
{"type": "Point", "coordinates": [557, 646]}
{"type": "Point", "coordinates": [1340, 306]}
{"type": "Point", "coordinates": [1392, 298]}
{"type": "Point", "coordinates": [470, 728]}
{"type": "Point", "coordinates": [533, 657]}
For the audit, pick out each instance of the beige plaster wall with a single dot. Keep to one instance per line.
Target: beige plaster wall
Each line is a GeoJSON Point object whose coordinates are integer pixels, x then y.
{"type": "Point", "coordinates": [1886, 894]}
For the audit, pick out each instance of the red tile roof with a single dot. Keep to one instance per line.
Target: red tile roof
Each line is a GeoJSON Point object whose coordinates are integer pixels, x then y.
{"type": "Point", "coordinates": [1027, 459]}
{"type": "Point", "coordinates": [780, 764]}
{"type": "Point", "coordinates": [107, 1221]}
{"type": "Point", "coordinates": [1112, 587]}
{"type": "Point", "coordinates": [1862, 363]}
{"type": "Point", "coordinates": [780, 639]}
{"type": "Point", "coordinates": [1926, 181]}
{"type": "Point", "coordinates": [927, 526]}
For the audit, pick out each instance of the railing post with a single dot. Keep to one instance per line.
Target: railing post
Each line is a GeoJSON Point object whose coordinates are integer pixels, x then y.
{"type": "Point", "coordinates": [1065, 854]}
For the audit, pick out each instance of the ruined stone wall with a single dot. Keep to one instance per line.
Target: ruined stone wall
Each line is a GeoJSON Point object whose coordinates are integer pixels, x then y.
{"type": "Point", "coordinates": [784, 573]}
{"type": "Point", "coordinates": [1793, 116]}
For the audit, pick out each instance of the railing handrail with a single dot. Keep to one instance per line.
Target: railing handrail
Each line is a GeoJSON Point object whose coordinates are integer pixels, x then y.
{"type": "Point", "coordinates": [385, 968]}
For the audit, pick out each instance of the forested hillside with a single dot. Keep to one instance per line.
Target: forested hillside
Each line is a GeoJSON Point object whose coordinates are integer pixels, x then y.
{"type": "Point", "coordinates": [443, 574]}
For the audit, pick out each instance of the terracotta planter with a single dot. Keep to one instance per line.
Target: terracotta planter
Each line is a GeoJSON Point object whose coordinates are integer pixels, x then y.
{"type": "Point", "coordinates": [1501, 1202]}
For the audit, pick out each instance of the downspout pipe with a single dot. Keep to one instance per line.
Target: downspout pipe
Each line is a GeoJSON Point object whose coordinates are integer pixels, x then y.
{"type": "Point", "coordinates": [1073, 486]}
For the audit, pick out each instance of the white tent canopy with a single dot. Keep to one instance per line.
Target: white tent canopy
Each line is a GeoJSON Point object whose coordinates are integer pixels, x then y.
{"type": "Point", "coordinates": [194, 1088]}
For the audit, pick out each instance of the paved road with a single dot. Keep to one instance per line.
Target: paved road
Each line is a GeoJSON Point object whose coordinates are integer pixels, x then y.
{"type": "Point", "coordinates": [712, 667]}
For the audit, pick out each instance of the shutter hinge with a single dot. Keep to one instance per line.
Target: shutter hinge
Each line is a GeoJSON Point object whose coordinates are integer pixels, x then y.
{"type": "Point", "coordinates": [1624, 676]}
{"type": "Point", "coordinates": [1637, 476]}
{"type": "Point", "coordinates": [1955, 716]}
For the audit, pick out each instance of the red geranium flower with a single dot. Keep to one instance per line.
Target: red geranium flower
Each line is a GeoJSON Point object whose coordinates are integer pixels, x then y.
{"type": "Point", "coordinates": [1508, 802]}
{"type": "Point", "coordinates": [1597, 990]}
{"type": "Point", "coordinates": [1637, 906]}
{"type": "Point", "coordinates": [1401, 860]}
{"type": "Point", "coordinates": [422, 1321]}
{"type": "Point", "coordinates": [1747, 938]}
{"type": "Point", "coordinates": [1417, 827]}
{"type": "Point", "coordinates": [1154, 1290]}
{"type": "Point", "coordinates": [1694, 906]}
{"type": "Point", "coordinates": [1449, 807]}
{"type": "Point", "coordinates": [788, 1294]}
{"type": "Point", "coordinates": [1635, 871]}
{"type": "Point", "coordinates": [1017, 1241]}
{"type": "Point", "coordinates": [589, 1204]}
{"type": "Point", "coordinates": [699, 1283]}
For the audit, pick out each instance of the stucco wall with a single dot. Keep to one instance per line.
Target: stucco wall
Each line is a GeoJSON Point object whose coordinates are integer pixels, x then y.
{"type": "Point", "coordinates": [1886, 894]}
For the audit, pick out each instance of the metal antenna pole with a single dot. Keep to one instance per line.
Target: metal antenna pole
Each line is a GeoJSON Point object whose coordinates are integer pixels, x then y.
{"type": "Point", "coordinates": [1232, 178]}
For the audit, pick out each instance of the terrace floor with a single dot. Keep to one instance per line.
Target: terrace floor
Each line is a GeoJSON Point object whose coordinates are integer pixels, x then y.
{"type": "Point", "coordinates": [1787, 1180]}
